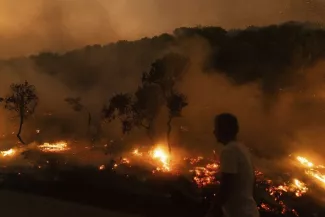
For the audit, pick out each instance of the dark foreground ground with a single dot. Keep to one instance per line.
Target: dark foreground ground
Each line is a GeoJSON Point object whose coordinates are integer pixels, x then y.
{"type": "Point", "coordinates": [14, 204]}
{"type": "Point", "coordinates": [150, 195]}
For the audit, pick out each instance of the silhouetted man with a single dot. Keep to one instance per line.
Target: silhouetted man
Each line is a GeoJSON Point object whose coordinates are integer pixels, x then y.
{"type": "Point", "coordinates": [235, 198]}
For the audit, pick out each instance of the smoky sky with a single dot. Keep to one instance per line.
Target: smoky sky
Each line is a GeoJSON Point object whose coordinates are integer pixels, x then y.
{"type": "Point", "coordinates": [58, 25]}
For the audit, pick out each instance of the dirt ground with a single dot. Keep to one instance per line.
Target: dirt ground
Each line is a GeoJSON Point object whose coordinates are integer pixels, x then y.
{"type": "Point", "coordinates": [19, 204]}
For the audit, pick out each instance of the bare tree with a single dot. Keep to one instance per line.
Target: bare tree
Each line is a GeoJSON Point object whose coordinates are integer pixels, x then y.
{"type": "Point", "coordinates": [22, 100]}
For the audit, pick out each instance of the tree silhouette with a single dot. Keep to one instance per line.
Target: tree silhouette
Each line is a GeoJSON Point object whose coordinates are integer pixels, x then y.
{"type": "Point", "coordinates": [175, 104]}
{"type": "Point", "coordinates": [139, 110]}
{"type": "Point", "coordinates": [77, 106]}
{"type": "Point", "coordinates": [148, 102]}
{"type": "Point", "coordinates": [22, 100]}
{"type": "Point", "coordinates": [165, 73]}
{"type": "Point", "coordinates": [120, 106]}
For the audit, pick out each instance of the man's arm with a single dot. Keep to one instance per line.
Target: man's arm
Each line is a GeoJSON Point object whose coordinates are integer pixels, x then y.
{"type": "Point", "coordinates": [226, 187]}
{"type": "Point", "coordinates": [228, 169]}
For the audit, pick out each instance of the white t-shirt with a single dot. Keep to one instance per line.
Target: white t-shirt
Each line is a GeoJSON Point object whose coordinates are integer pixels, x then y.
{"type": "Point", "coordinates": [235, 159]}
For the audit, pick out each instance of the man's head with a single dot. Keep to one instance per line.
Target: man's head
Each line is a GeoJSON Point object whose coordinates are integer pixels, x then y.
{"type": "Point", "coordinates": [225, 128]}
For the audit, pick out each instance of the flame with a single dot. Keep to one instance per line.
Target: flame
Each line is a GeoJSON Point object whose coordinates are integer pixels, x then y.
{"type": "Point", "coordinates": [125, 161]}
{"type": "Point", "coordinates": [160, 155]}
{"type": "Point", "coordinates": [101, 167]}
{"type": "Point", "coordinates": [300, 188]}
{"type": "Point", "coordinates": [311, 169]}
{"type": "Point", "coordinates": [54, 147]}
{"type": "Point", "coordinates": [136, 152]}
{"type": "Point", "coordinates": [8, 153]}
{"type": "Point", "coordinates": [305, 162]}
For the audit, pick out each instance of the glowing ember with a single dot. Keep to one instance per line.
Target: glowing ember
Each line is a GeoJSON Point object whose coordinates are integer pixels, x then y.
{"type": "Point", "coordinates": [265, 207]}
{"type": "Point", "coordinates": [300, 188]}
{"type": "Point", "coordinates": [8, 153]}
{"type": "Point", "coordinates": [54, 147]}
{"type": "Point", "coordinates": [276, 192]}
{"type": "Point", "coordinates": [136, 152]}
{"type": "Point", "coordinates": [204, 175]}
{"type": "Point", "coordinates": [125, 161]}
{"type": "Point", "coordinates": [194, 160]}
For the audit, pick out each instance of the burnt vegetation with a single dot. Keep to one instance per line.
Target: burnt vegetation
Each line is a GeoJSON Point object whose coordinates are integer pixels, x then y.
{"type": "Point", "coordinates": [270, 56]}
{"type": "Point", "coordinates": [21, 101]}
{"type": "Point", "coordinates": [158, 89]}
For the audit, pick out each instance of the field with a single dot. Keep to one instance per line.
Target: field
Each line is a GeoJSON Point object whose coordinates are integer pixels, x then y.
{"type": "Point", "coordinates": [150, 182]}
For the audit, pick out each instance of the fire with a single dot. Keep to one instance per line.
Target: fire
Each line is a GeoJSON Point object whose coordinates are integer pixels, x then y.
{"type": "Point", "coordinates": [124, 161]}
{"type": "Point", "coordinates": [300, 188]}
{"type": "Point", "coordinates": [311, 169]}
{"type": "Point", "coordinates": [203, 175]}
{"type": "Point", "coordinates": [317, 175]}
{"type": "Point", "coordinates": [265, 207]}
{"type": "Point", "coordinates": [54, 147]}
{"type": "Point", "coordinates": [136, 152]}
{"type": "Point", "coordinates": [8, 153]}
{"type": "Point", "coordinates": [159, 156]}
{"type": "Point", "coordinates": [163, 157]}
{"type": "Point", "coordinates": [305, 162]}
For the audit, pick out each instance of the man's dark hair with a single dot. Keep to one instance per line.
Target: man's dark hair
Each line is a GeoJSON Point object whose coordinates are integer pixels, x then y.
{"type": "Point", "coordinates": [227, 125]}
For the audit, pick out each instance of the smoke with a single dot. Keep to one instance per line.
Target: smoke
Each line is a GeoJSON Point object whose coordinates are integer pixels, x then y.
{"type": "Point", "coordinates": [291, 122]}
{"type": "Point", "coordinates": [41, 25]}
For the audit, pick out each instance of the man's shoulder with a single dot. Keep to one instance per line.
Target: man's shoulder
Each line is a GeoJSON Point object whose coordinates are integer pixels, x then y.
{"type": "Point", "coordinates": [231, 146]}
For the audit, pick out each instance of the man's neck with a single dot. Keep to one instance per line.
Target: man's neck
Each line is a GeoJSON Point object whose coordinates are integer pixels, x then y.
{"type": "Point", "coordinates": [230, 142]}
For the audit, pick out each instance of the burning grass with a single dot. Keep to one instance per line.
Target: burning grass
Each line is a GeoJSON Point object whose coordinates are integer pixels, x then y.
{"type": "Point", "coordinates": [204, 173]}
{"type": "Point", "coordinates": [8, 153]}
{"type": "Point", "coordinates": [54, 147]}
{"type": "Point", "coordinates": [312, 170]}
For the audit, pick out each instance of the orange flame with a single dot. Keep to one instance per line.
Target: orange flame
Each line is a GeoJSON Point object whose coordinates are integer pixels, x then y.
{"type": "Point", "coordinates": [8, 153]}
{"type": "Point", "coordinates": [54, 147]}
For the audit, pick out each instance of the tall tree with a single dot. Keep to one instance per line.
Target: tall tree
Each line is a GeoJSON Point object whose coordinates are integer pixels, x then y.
{"type": "Point", "coordinates": [78, 106]}
{"type": "Point", "coordinates": [175, 104]}
{"type": "Point", "coordinates": [146, 107]}
{"type": "Point", "coordinates": [139, 110]}
{"type": "Point", "coordinates": [165, 73]}
{"type": "Point", "coordinates": [120, 106]}
{"type": "Point", "coordinates": [22, 100]}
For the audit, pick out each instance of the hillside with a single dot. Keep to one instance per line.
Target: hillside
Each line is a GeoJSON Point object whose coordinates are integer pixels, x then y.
{"type": "Point", "coordinates": [272, 54]}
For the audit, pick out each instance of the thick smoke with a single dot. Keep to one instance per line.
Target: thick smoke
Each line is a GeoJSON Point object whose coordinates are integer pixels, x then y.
{"type": "Point", "coordinates": [290, 122]}
{"type": "Point", "coordinates": [41, 25]}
